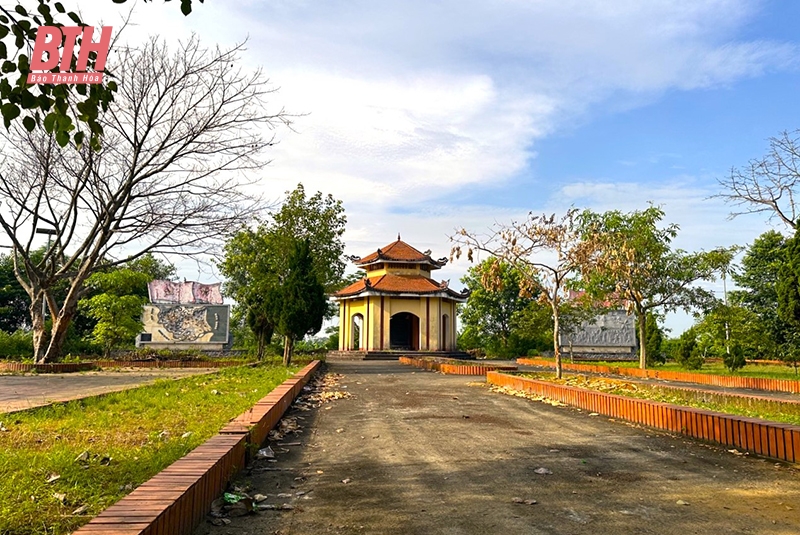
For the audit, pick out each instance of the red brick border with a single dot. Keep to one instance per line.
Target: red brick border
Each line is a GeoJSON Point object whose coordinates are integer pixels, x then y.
{"type": "Point", "coordinates": [47, 368]}
{"type": "Point", "coordinates": [454, 367]}
{"type": "Point", "coordinates": [59, 367]}
{"type": "Point", "coordinates": [175, 501]}
{"type": "Point", "coordinates": [754, 383]}
{"type": "Point", "coordinates": [770, 439]}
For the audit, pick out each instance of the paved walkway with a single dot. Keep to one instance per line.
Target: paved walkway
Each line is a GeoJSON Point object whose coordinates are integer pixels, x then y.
{"type": "Point", "coordinates": [416, 452]}
{"type": "Point", "coordinates": [18, 392]}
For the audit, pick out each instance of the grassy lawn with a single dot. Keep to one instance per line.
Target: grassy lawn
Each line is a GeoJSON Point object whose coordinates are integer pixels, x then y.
{"type": "Point", "coordinates": [768, 410]}
{"type": "Point", "coordinates": [56, 460]}
{"type": "Point", "coordinates": [769, 371]}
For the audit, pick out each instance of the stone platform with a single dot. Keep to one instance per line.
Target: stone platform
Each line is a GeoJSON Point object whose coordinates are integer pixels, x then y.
{"type": "Point", "coordinates": [395, 355]}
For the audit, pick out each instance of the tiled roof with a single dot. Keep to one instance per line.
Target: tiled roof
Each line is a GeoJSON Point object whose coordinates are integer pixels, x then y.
{"type": "Point", "coordinates": [395, 284]}
{"type": "Point", "coordinates": [398, 251]}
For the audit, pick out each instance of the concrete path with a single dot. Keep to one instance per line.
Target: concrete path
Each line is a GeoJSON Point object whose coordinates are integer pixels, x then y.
{"type": "Point", "coordinates": [416, 452]}
{"type": "Point", "coordinates": [18, 392]}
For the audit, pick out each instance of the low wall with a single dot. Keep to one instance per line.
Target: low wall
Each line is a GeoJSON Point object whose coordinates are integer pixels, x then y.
{"type": "Point", "coordinates": [92, 365]}
{"type": "Point", "coordinates": [754, 383]}
{"type": "Point", "coordinates": [47, 368]}
{"type": "Point", "coordinates": [454, 367]}
{"type": "Point", "coordinates": [770, 439]}
{"type": "Point", "coordinates": [176, 500]}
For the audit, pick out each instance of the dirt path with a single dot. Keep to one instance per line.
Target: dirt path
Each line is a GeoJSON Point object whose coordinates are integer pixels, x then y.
{"type": "Point", "coordinates": [424, 453]}
{"type": "Point", "coordinates": [18, 392]}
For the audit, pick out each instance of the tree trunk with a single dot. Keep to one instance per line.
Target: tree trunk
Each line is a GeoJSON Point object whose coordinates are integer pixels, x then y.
{"type": "Point", "coordinates": [288, 348]}
{"type": "Point", "coordinates": [39, 336]}
{"type": "Point", "coordinates": [642, 318]}
{"type": "Point", "coordinates": [261, 344]}
{"type": "Point", "coordinates": [557, 349]}
{"type": "Point", "coordinates": [58, 335]}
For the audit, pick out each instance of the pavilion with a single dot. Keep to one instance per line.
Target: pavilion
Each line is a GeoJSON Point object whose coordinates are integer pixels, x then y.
{"type": "Point", "coordinates": [397, 307]}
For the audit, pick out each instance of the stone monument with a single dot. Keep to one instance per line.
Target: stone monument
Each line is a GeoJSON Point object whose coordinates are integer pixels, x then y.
{"type": "Point", "coordinates": [184, 315]}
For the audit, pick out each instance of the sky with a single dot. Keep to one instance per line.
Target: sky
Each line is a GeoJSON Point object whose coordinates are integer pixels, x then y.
{"type": "Point", "coordinates": [424, 116]}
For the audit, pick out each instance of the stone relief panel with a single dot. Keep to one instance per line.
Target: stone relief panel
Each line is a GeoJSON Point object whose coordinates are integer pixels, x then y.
{"type": "Point", "coordinates": [186, 322]}
{"type": "Point", "coordinates": [613, 329]}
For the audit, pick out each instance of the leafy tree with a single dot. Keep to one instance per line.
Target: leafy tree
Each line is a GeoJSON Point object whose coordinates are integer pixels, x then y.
{"type": "Point", "coordinates": [690, 354]}
{"type": "Point", "coordinates": [181, 135]}
{"type": "Point", "coordinates": [491, 318]}
{"type": "Point", "coordinates": [788, 291]}
{"type": "Point", "coordinates": [256, 261]}
{"type": "Point", "coordinates": [301, 303]}
{"type": "Point", "coordinates": [13, 299]}
{"type": "Point", "coordinates": [62, 109]}
{"type": "Point", "coordinates": [636, 266]}
{"type": "Point", "coordinates": [521, 245]}
{"type": "Point", "coordinates": [116, 307]}
{"type": "Point", "coordinates": [757, 280]}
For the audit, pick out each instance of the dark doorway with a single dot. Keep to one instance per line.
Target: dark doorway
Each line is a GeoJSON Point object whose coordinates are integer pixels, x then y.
{"type": "Point", "coordinates": [404, 332]}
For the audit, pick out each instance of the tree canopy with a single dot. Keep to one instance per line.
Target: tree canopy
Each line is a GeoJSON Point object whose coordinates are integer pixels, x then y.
{"type": "Point", "coordinates": [636, 266]}
{"type": "Point", "coordinates": [257, 260]}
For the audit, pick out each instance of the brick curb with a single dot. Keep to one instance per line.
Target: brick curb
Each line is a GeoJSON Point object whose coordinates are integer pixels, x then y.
{"type": "Point", "coordinates": [454, 369]}
{"type": "Point", "coordinates": [175, 501]}
{"type": "Point", "coordinates": [770, 439]}
{"type": "Point", "coordinates": [92, 365]}
{"type": "Point", "coordinates": [753, 383]}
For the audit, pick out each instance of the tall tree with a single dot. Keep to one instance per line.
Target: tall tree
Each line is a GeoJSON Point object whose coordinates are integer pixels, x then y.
{"type": "Point", "coordinates": [636, 266]}
{"type": "Point", "coordinates": [547, 252]}
{"type": "Point", "coordinates": [256, 261]}
{"type": "Point", "coordinates": [13, 299]}
{"type": "Point", "coordinates": [301, 303]}
{"type": "Point", "coordinates": [757, 281]}
{"type": "Point", "coordinates": [183, 134]}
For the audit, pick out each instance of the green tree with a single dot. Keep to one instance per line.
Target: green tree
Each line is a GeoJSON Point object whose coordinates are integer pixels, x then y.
{"type": "Point", "coordinates": [116, 307]}
{"type": "Point", "coordinates": [788, 292]}
{"type": "Point", "coordinates": [13, 298]}
{"type": "Point", "coordinates": [300, 305]}
{"type": "Point", "coordinates": [757, 280]}
{"type": "Point", "coordinates": [256, 261]}
{"type": "Point", "coordinates": [636, 266]}
{"type": "Point", "coordinates": [689, 354]}
{"type": "Point", "coordinates": [491, 319]}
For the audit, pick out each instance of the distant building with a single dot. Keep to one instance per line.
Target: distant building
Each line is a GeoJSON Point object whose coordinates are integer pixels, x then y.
{"type": "Point", "coordinates": [397, 306]}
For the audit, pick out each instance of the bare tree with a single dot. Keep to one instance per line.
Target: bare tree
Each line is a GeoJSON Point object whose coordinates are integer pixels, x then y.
{"type": "Point", "coordinates": [183, 135]}
{"type": "Point", "coordinates": [526, 245]}
{"type": "Point", "coordinates": [770, 183]}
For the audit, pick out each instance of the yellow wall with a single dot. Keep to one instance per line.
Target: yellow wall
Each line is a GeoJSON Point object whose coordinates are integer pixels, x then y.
{"type": "Point", "coordinates": [430, 335]}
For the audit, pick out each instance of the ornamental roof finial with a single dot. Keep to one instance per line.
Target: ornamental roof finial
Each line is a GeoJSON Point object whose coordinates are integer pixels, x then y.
{"type": "Point", "coordinates": [398, 236]}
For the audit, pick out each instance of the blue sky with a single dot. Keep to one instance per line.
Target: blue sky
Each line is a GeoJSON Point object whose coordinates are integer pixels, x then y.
{"type": "Point", "coordinates": [424, 116]}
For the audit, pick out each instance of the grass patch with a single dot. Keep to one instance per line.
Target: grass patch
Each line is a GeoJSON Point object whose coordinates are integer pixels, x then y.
{"type": "Point", "coordinates": [764, 371]}
{"type": "Point", "coordinates": [773, 410]}
{"type": "Point", "coordinates": [128, 437]}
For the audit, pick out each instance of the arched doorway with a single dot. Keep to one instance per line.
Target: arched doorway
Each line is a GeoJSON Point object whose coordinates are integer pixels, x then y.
{"type": "Point", "coordinates": [404, 331]}
{"type": "Point", "coordinates": [356, 332]}
{"type": "Point", "coordinates": [445, 332]}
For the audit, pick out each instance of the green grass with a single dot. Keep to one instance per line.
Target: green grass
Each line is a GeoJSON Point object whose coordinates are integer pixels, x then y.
{"type": "Point", "coordinates": [766, 371]}
{"type": "Point", "coordinates": [142, 431]}
{"type": "Point", "coordinates": [775, 411]}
